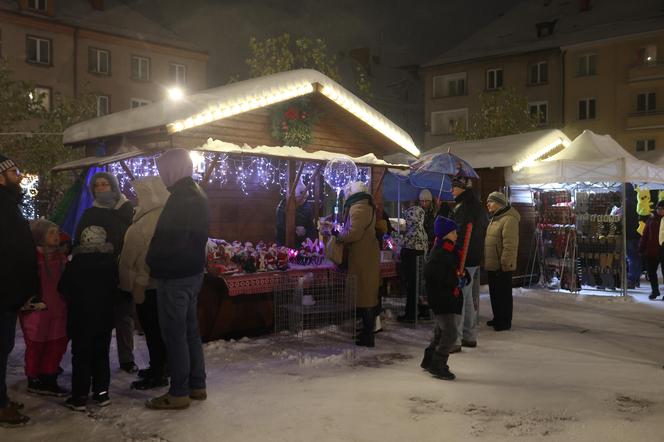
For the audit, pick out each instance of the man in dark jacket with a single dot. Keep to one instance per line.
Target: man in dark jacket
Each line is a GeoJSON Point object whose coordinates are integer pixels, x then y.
{"type": "Point", "coordinates": [468, 210]}
{"type": "Point", "coordinates": [176, 258]}
{"type": "Point", "coordinates": [18, 273]}
{"type": "Point", "coordinates": [304, 218]}
{"type": "Point", "coordinates": [650, 248]}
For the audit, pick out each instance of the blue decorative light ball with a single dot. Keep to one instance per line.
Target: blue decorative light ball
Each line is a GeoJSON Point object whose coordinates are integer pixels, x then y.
{"type": "Point", "coordinates": [339, 172]}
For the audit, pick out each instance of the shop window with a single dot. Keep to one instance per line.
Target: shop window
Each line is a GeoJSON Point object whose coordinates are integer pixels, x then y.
{"type": "Point", "coordinates": [539, 72]}
{"type": "Point", "coordinates": [645, 145]}
{"type": "Point", "coordinates": [587, 108]}
{"type": "Point", "coordinates": [646, 102]}
{"type": "Point", "coordinates": [494, 79]}
{"type": "Point", "coordinates": [539, 111]}
{"type": "Point", "coordinates": [140, 68]}
{"type": "Point", "coordinates": [103, 105]}
{"type": "Point", "coordinates": [450, 85]}
{"type": "Point", "coordinates": [38, 50]}
{"type": "Point", "coordinates": [587, 65]}
{"type": "Point", "coordinates": [99, 61]}
{"type": "Point", "coordinates": [177, 73]}
{"type": "Point", "coordinates": [447, 122]}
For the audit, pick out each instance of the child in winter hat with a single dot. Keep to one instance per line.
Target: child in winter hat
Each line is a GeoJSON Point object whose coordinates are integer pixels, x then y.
{"type": "Point", "coordinates": [45, 330]}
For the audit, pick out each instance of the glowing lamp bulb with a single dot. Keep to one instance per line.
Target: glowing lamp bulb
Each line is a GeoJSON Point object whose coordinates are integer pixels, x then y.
{"type": "Point", "coordinates": [175, 94]}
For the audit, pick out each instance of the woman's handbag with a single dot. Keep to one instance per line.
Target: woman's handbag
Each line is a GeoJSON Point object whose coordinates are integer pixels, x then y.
{"type": "Point", "coordinates": [334, 251]}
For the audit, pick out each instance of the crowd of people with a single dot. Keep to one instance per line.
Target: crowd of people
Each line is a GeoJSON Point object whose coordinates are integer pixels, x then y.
{"type": "Point", "coordinates": [151, 256]}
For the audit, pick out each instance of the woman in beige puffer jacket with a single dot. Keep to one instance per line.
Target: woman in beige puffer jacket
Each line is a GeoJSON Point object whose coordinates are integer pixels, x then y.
{"type": "Point", "coordinates": [500, 252]}
{"type": "Point", "coordinates": [135, 274]}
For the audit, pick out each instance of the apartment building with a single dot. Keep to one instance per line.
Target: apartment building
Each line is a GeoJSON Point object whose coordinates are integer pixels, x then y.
{"type": "Point", "coordinates": [101, 46]}
{"type": "Point", "coordinates": [582, 64]}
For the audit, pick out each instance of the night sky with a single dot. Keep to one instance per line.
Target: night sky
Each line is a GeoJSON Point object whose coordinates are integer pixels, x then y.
{"type": "Point", "coordinates": [399, 32]}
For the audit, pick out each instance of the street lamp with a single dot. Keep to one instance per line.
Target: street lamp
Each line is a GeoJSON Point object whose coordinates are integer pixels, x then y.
{"type": "Point", "coordinates": [175, 93]}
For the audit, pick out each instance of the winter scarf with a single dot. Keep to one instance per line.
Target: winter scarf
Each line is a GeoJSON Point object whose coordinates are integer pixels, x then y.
{"type": "Point", "coordinates": [110, 199]}
{"type": "Point", "coordinates": [359, 196]}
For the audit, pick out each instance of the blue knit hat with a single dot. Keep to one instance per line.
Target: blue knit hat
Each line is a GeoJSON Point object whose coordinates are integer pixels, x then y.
{"type": "Point", "coordinates": [442, 226]}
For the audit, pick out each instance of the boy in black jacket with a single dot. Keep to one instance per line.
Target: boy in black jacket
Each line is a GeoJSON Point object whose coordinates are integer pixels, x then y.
{"type": "Point", "coordinates": [443, 288]}
{"type": "Point", "coordinates": [89, 284]}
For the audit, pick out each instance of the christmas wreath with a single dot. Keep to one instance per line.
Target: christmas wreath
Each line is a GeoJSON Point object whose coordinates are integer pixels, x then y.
{"type": "Point", "coordinates": [293, 121]}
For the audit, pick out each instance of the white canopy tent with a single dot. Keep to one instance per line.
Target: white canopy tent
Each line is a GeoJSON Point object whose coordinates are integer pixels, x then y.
{"type": "Point", "coordinates": [589, 158]}
{"type": "Point", "coordinates": [507, 151]}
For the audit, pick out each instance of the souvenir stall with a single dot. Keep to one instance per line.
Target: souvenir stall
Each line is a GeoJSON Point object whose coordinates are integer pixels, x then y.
{"type": "Point", "coordinates": [240, 137]}
{"type": "Point", "coordinates": [581, 203]}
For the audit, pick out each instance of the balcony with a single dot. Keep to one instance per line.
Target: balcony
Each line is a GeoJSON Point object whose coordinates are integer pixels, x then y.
{"type": "Point", "coordinates": [643, 120]}
{"type": "Point", "coordinates": [654, 71]}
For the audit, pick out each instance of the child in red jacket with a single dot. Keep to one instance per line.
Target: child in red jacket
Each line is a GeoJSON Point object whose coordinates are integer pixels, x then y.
{"type": "Point", "coordinates": [45, 330]}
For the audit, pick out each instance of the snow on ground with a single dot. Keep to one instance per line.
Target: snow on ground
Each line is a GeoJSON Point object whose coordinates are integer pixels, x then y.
{"type": "Point", "coordinates": [582, 368]}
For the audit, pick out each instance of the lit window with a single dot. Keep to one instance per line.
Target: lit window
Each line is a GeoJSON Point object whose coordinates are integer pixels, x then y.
{"type": "Point", "coordinates": [41, 96]}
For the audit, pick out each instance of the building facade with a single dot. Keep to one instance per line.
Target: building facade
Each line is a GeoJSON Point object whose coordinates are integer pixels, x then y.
{"type": "Point", "coordinates": [102, 47]}
{"type": "Point", "coordinates": [581, 65]}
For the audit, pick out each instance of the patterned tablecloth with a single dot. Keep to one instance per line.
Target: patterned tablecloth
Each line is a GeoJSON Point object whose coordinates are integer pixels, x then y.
{"type": "Point", "coordinates": [264, 282]}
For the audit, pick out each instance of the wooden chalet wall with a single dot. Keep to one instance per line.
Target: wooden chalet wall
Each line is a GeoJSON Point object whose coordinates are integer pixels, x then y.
{"type": "Point", "coordinates": [252, 217]}
{"type": "Point", "coordinates": [494, 180]}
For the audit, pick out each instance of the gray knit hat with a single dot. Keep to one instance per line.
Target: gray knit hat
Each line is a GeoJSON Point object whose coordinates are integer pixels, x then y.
{"type": "Point", "coordinates": [498, 198]}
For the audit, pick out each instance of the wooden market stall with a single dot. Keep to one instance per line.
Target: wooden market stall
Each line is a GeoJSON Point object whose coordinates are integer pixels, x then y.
{"type": "Point", "coordinates": [245, 119]}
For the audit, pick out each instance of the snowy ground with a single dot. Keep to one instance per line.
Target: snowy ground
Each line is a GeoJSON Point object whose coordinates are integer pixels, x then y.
{"type": "Point", "coordinates": [581, 368]}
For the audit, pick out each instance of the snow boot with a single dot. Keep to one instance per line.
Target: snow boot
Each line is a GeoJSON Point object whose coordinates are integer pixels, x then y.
{"type": "Point", "coordinates": [198, 394]}
{"type": "Point", "coordinates": [34, 386]}
{"type": "Point", "coordinates": [76, 403]}
{"type": "Point", "coordinates": [10, 417]}
{"type": "Point", "coordinates": [50, 387]}
{"type": "Point", "coordinates": [428, 356]}
{"type": "Point", "coordinates": [366, 337]}
{"type": "Point", "coordinates": [440, 370]}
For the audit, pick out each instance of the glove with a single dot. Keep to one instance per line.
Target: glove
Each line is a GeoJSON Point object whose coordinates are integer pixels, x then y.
{"type": "Point", "coordinates": [300, 231]}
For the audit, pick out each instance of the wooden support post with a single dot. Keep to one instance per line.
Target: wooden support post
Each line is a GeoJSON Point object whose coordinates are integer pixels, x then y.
{"type": "Point", "coordinates": [210, 169]}
{"type": "Point", "coordinates": [317, 192]}
{"type": "Point", "coordinates": [291, 204]}
{"type": "Point", "coordinates": [127, 171]}
{"type": "Point", "coordinates": [379, 184]}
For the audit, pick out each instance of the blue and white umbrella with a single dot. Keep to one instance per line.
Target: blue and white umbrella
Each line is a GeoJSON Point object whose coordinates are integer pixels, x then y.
{"type": "Point", "coordinates": [436, 169]}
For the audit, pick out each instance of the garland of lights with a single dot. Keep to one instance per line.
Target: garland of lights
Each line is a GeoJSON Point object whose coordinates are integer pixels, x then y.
{"type": "Point", "coordinates": [248, 172]}
{"type": "Point", "coordinates": [293, 122]}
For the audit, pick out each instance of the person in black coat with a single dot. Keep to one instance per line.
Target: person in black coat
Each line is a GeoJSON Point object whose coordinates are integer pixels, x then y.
{"type": "Point", "coordinates": [88, 284]}
{"type": "Point", "coordinates": [443, 287]}
{"type": "Point", "coordinates": [18, 273]}
{"type": "Point", "coordinates": [468, 209]}
{"type": "Point", "coordinates": [114, 213]}
{"type": "Point", "coordinates": [176, 258]}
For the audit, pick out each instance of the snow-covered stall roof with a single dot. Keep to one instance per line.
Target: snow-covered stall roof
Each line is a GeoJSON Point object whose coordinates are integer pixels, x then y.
{"type": "Point", "coordinates": [233, 99]}
{"type": "Point", "coordinates": [124, 153]}
{"type": "Point", "coordinates": [507, 151]}
{"type": "Point", "coordinates": [590, 158]}
{"type": "Point", "coordinates": [292, 153]}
